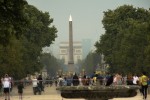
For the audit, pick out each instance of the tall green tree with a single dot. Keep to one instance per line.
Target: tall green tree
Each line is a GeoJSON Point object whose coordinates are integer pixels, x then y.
{"type": "Point", "coordinates": [51, 63]}
{"type": "Point", "coordinates": [13, 23]}
{"type": "Point", "coordinates": [13, 19]}
{"type": "Point", "coordinates": [24, 31]}
{"type": "Point", "coordinates": [11, 59]}
{"type": "Point", "coordinates": [39, 34]}
{"type": "Point", "coordinates": [90, 63]}
{"type": "Point", "coordinates": [125, 39]}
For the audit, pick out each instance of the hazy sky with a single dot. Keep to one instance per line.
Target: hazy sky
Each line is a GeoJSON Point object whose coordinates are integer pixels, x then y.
{"type": "Point", "coordinates": [86, 14]}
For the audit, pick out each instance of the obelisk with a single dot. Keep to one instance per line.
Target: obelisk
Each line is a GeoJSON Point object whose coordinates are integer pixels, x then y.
{"type": "Point", "coordinates": [70, 59]}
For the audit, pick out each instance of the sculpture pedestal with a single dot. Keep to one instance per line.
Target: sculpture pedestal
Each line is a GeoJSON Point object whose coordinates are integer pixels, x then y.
{"type": "Point", "coordinates": [71, 68]}
{"type": "Point", "coordinates": [98, 92]}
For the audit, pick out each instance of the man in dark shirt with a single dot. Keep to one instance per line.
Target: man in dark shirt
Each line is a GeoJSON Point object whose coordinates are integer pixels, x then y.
{"type": "Point", "coordinates": [40, 84]}
{"type": "Point", "coordinates": [75, 80]}
{"type": "Point", "coordinates": [20, 89]}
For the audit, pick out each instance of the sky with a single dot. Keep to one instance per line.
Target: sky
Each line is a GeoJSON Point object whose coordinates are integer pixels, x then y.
{"type": "Point", "coordinates": [86, 15]}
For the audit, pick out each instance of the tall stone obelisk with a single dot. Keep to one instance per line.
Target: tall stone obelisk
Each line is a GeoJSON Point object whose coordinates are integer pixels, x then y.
{"type": "Point", "coordinates": [70, 59]}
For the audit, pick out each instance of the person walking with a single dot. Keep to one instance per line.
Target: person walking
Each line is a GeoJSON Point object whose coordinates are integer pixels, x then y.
{"type": "Point", "coordinates": [144, 83]}
{"type": "Point", "coordinates": [75, 80]}
{"type": "Point", "coordinates": [69, 80]}
{"type": "Point", "coordinates": [40, 83]}
{"type": "Point", "coordinates": [34, 84]}
{"type": "Point", "coordinates": [135, 79]}
{"type": "Point", "coordinates": [20, 89]}
{"type": "Point", "coordinates": [60, 81]}
{"type": "Point", "coordinates": [6, 86]}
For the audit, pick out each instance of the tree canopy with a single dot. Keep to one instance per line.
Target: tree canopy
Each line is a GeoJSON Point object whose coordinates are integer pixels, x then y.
{"type": "Point", "coordinates": [13, 19]}
{"type": "Point", "coordinates": [91, 62]}
{"type": "Point", "coordinates": [24, 31]}
{"type": "Point", "coordinates": [126, 44]}
{"type": "Point", "coordinates": [50, 63]}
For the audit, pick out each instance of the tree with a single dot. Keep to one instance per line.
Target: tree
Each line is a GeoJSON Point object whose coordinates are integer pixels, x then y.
{"type": "Point", "coordinates": [24, 31]}
{"type": "Point", "coordinates": [39, 34]}
{"type": "Point", "coordinates": [91, 61]}
{"type": "Point", "coordinates": [13, 20]}
{"type": "Point", "coordinates": [13, 23]}
{"type": "Point", "coordinates": [125, 39]}
{"type": "Point", "coordinates": [51, 63]}
{"type": "Point", "coordinates": [11, 59]}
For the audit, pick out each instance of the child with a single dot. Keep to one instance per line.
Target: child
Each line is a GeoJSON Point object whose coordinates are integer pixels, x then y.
{"type": "Point", "coordinates": [20, 89]}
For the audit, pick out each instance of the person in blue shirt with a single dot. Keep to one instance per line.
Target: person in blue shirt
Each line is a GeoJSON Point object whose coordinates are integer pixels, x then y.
{"type": "Point", "coordinates": [69, 81]}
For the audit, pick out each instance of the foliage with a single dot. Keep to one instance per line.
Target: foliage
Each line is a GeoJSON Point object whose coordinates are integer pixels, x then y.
{"type": "Point", "coordinates": [24, 31]}
{"type": "Point", "coordinates": [51, 63]}
{"type": "Point", "coordinates": [12, 19]}
{"type": "Point", "coordinates": [90, 63]}
{"type": "Point", "coordinates": [39, 34]}
{"type": "Point", "coordinates": [125, 43]}
{"type": "Point", "coordinates": [11, 58]}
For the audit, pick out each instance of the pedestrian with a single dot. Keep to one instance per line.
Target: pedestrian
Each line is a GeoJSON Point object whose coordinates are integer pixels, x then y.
{"type": "Point", "coordinates": [11, 83]}
{"type": "Point", "coordinates": [75, 81]}
{"type": "Point", "coordinates": [34, 84]}
{"type": "Point", "coordinates": [110, 80]}
{"type": "Point", "coordinates": [69, 80]}
{"type": "Point", "coordinates": [80, 80]}
{"type": "Point", "coordinates": [144, 83]}
{"type": "Point", "coordinates": [65, 81]}
{"type": "Point", "coordinates": [40, 82]}
{"type": "Point", "coordinates": [129, 79]}
{"type": "Point", "coordinates": [84, 80]}
{"type": "Point", "coordinates": [1, 86]}
{"type": "Point", "coordinates": [135, 79]}
{"type": "Point", "coordinates": [115, 79]}
{"type": "Point", "coordinates": [94, 80]}
{"type": "Point", "coordinates": [6, 86]}
{"type": "Point", "coordinates": [20, 89]}
{"type": "Point", "coordinates": [60, 81]}
{"type": "Point", "coordinates": [56, 81]}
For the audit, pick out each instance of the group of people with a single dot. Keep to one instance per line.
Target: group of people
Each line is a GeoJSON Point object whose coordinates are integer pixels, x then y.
{"type": "Point", "coordinates": [37, 83]}
{"type": "Point", "coordinates": [7, 85]}
{"type": "Point", "coordinates": [115, 79]}
{"type": "Point", "coordinates": [142, 81]}
{"type": "Point", "coordinates": [88, 80]}
{"type": "Point", "coordinates": [75, 80]}
{"type": "Point", "coordinates": [7, 82]}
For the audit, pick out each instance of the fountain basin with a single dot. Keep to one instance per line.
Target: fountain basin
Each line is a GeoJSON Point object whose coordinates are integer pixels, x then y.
{"type": "Point", "coordinates": [98, 92]}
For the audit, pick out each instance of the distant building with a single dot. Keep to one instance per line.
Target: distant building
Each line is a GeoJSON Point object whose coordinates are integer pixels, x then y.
{"type": "Point", "coordinates": [64, 51]}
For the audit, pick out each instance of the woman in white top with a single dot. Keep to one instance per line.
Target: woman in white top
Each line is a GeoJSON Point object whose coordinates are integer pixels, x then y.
{"type": "Point", "coordinates": [6, 86]}
{"type": "Point", "coordinates": [34, 84]}
{"type": "Point", "coordinates": [135, 79]}
{"type": "Point", "coordinates": [60, 81]}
